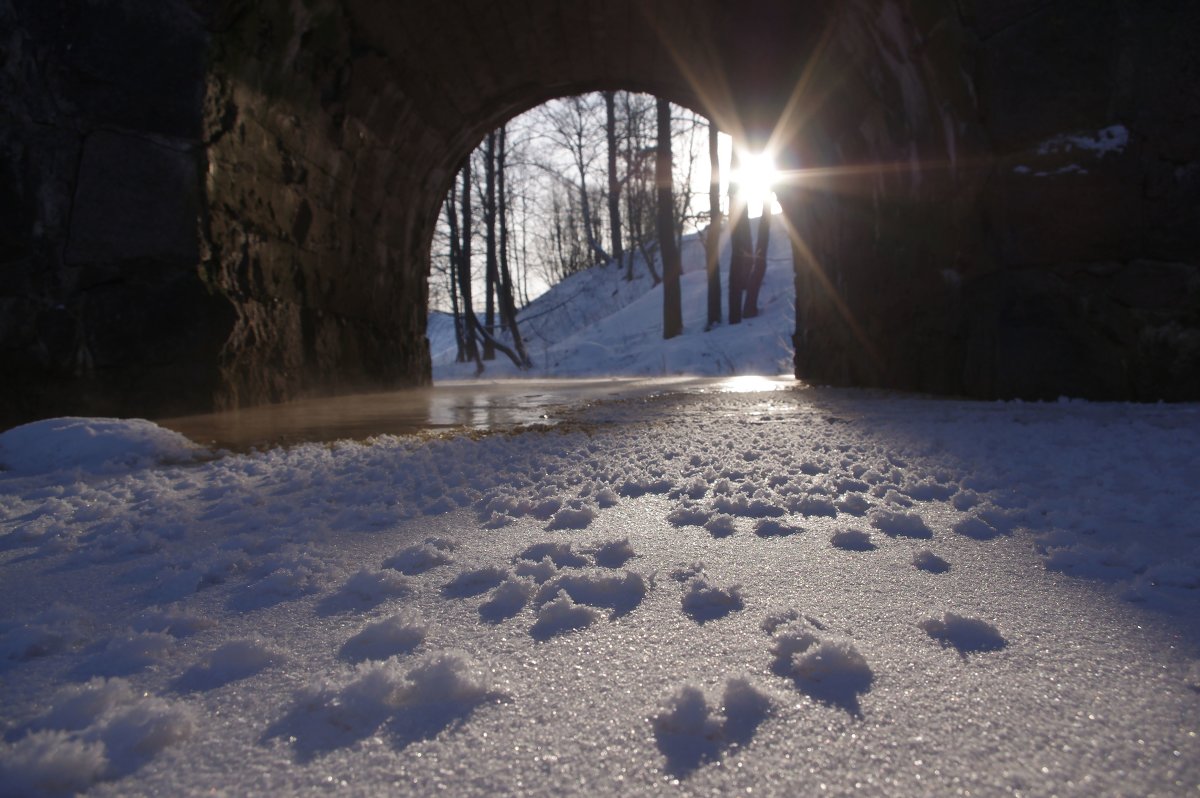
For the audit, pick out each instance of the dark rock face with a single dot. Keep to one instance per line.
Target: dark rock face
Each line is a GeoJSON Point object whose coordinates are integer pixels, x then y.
{"type": "Point", "coordinates": [1051, 245]}
{"type": "Point", "coordinates": [216, 203]}
{"type": "Point", "coordinates": [101, 306]}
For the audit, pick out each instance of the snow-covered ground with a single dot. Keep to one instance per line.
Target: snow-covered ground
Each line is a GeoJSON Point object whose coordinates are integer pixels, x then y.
{"type": "Point", "coordinates": [773, 589]}
{"type": "Point", "coordinates": [795, 592]}
{"type": "Point", "coordinates": [595, 323]}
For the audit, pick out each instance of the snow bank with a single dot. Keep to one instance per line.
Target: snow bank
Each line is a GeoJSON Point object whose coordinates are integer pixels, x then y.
{"type": "Point", "coordinates": [101, 445]}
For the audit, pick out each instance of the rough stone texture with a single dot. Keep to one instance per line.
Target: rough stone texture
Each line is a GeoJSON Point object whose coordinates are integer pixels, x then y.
{"type": "Point", "coordinates": [101, 308]}
{"type": "Point", "coordinates": [215, 203]}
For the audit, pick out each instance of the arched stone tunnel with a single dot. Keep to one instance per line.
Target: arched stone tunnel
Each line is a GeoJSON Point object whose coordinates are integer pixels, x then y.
{"type": "Point", "coordinates": [218, 203]}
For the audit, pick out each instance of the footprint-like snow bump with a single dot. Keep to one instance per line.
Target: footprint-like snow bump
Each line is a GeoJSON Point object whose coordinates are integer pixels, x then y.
{"type": "Point", "coordinates": [417, 559]}
{"type": "Point", "coordinates": [472, 583]}
{"type": "Point", "coordinates": [509, 598]}
{"type": "Point", "coordinates": [559, 553]}
{"type": "Point", "coordinates": [93, 732]}
{"type": "Point", "coordinates": [705, 601]}
{"type": "Point", "coordinates": [363, 590]}
{"type": "Point", "coordinates": [690, 731]}
{"type": "Point", "coordinates": [967, 635]}
{"type": "Point", "coordinates": [853, 504]}
{"type": "Point", "coordinates": [127, 654]}
{"type": "Point", "coordinates": [238, 659]}
{"type": "Point", "coordinates": [926, 560]}
{"type": "Point", "coordinates": [379, 640]}
{"type": "Point", "coordinates": [689, 515]}
{"type": "Point", "coordinates": [767, 527]}
{"type": "Point", "coordinates": [811, 506]}
{"type": "Point", "coordinates": [721, 526]}
{"type": "Point", "coordinates": [175, 622]}
{"type": "Point", "coordinates": [572, 518]}
{"type": "Point", "coordinates": [620, 593]}
{"type": "Point", "coordinates": [830, 669]}
{"type": "Point", "coordinates": [440, 691]}
{"type": "Point", "coordinates": [562, 615]}
{"type": "Point", "coordinates": [537, 571]}
{"type": "Point", "coordinates": [976, 528]}
{"type": "Point", "coordinates": [852, 540]}
{"type": "Point", "coordinates": [906, 525]}
{"type": "Point", "coordinates": [614, 554]}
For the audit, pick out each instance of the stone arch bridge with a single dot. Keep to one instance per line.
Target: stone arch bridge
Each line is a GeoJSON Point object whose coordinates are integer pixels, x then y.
{"type": "Point", "coordinates": [218, 203]}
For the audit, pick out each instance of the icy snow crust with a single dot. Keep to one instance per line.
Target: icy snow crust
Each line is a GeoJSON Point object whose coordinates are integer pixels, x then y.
{"type": "Point", "coordinates": [723, 592]}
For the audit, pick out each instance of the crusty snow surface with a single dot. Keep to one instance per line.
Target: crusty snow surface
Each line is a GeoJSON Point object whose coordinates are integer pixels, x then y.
{"type": "Point", "coordinates": [796, 592]}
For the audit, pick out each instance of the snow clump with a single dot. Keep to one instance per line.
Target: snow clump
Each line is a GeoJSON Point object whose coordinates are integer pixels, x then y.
{"type": "Point", "coordinates": [396, 634]}
{"type": "Point", "coordinates": [100, 445]}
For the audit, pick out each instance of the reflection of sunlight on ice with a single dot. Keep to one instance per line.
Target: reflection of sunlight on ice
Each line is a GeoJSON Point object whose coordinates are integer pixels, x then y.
{"type": "Point", "coordinates": [751, 383]}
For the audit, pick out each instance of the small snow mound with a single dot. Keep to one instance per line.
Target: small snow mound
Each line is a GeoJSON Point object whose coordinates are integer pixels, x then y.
{"type": "Point", "coordinates": [572, 518]}
{"type": "Point", "coordinates": [705, 601]}
{"type": "Point", "coordinates": [767, 527]}
{"type": "Point", "coordinates": [537, 571]}
{"type": "Point", "coordinates": [689, 515]}
{"type": "Point", "coordinates": [975, 528]}
{"type": "Point", "coordinates": [50, 763]}
{"type": "Point", "coordinates": [374, 586]}
{"type": "Point", "coordinates": [690, 731]}
{"type": "Point", "coordinates": [446, 677]}
{"type": "Point", "coordinates": [852, 540]}
{"type": "Point", "coordinates": [926, 560]}
{"type": "Point", "coordinates": [721, 526]}
{"type": "Point", "coordinates": [811, 506]}
{"type": "Point", "coordinates": [96, 731]}
{"type": "Point", "coordinates": [830, 670]}
{"type": "Point", "coordinates": [896, 524]}
{"type": "Point", "coordinates": [620, 593]}
{"type": "Point", "coordinates": [396, 634]}
{"type": "Point", "coordinates": [236, 660]}
{"type": "Point", "coordinates": [472, 583]}
{"type": "Point", "coordinates": [967, 635]}
{"type": "Point", "coordinates": [100, 445]}
{"type": "Point", "coordinates": [509, 598]}
{"type": "Point", "coordinates": [129, 653]}
{"type": "Point", "coordinates": [562, 615]}
{"type": "Point", "coordinates": [175, 622]}
{"type": "Point", "coordinates": [614, 554]}
{"type": "Point", "coordinates": [417, 559]}
{"type": "Point", "coordinates": [853, 504]}
{"type": "Point", "coordinates": [559, 553]}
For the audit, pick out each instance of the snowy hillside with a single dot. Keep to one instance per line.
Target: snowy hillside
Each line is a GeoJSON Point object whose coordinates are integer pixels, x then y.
{"type": "Point", "coordinates": [595, 323]}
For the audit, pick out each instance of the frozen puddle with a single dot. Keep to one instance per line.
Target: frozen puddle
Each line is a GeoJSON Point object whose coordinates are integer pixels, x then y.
{"type": "Point", "coordinates": [789, 592]}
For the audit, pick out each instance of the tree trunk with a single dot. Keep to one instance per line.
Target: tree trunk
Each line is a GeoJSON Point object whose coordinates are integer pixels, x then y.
{"type": "Point", "coordinates": [508, 307]}
{"type": "Point", "coordinates": [712, 243]}
{"type": "Point", "coordinates": [460, 340]}
{"type": "Point", "coordinates": [672, 268]}
{"type": "Point", "coordinates": [759, 269]}
{"type": "Point", "coordinates": [614, 188]}
{"type": "Point", "coordinates": [741, 247]}
{"type": "Point", "coordinates": [489, 222]}
{"type": "Point", "coordinates": [464, 268]}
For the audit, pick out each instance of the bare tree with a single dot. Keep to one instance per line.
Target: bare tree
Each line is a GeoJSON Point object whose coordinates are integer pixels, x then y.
{"type": "Point", "coordinates": [758, 270]}
{"type": "Point", "coordinates": [741, 246]}
{"type": "Point", "coordinates": [572, 123]}
{"type": "Point", "coordinates": [508, 307]}
{"type": "Point", "coordinates": [614, 186]}
{"type": "Point", "coordinates": [712, 241]}
{"type": "Point", "coordinates": [464, 269]}
{"type": "Point", "coordinates": [672, 268]}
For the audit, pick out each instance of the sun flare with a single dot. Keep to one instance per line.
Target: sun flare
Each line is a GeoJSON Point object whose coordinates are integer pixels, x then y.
{"type": "Point", "coordinates": [756, 176]}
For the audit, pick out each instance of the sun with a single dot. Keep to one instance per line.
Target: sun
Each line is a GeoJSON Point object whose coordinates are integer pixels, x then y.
{"type": "Point", "coordinates": [756, 176]}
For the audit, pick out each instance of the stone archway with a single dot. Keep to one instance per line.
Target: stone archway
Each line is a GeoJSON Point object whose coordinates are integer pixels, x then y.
{"type": "Point", "coordinates": [224, 203]}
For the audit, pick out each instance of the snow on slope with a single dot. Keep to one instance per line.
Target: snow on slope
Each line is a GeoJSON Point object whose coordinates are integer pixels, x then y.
{"type": "Point", "coordinates": [806, 591]}
{"type": "Point", "coordinates": [596, 324]}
